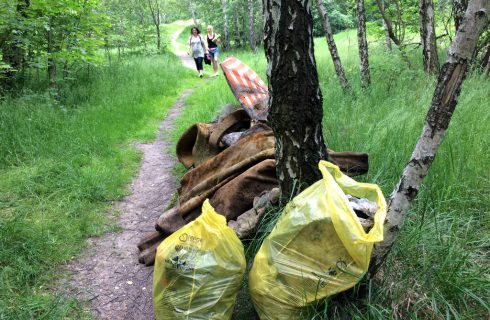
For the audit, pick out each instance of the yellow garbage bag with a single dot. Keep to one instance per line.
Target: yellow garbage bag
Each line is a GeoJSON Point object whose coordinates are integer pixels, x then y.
{"type": "Point", "coordinates": [198, 270]}
{"type": "Point", "coordinates": [317, 248]}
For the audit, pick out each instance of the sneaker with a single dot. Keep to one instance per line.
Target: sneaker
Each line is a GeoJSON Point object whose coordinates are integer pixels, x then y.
{"type": "Point", "coordinates": [200, 76]}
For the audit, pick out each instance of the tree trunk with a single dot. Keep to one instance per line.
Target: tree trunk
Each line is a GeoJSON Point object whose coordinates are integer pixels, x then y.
{"type": "Point", "coordinates": [51, 60]}
{"type": "Point", "coordinates": [387, 24]}
{"type": "Point", "coordinates": [459, 8]}
{"type": "Point", "coordinates": [193, 13]}
{"type": "Point", "coordinates": [485, 60]}
{"type": "Point", "coordinates": [362, 42]}
{"type": "Point", "coordinates": [339, 70]}
{"type": "Point", "coordinates": [243, 31]}
{"type": "Point", "coordinates": [296, 108]}
{"type": "Point", "coordinates": [444, 101]}
{"type": "Point", "coordinates": [251, 17]}
{"type": "Point", "coordinates": [428, 36]}
{"type": "Point", "coordinates": [159, 40]}
{"type": "Point", "coordinates": [155, 14]}
{"type": "Point", "coordinates": [237, 29]}
{"type": "Point", "coordinates": [226, 33]}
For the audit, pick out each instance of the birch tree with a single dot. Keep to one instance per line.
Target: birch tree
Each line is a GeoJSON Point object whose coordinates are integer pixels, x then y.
{"type": "Point", "coordinates": [428, 36]}
{"type": "Point", "coordinates": [387, 23]}
{"type": "Point", "coordinates": [459, 8]}
{"type": "Point", "coordinates": [296, 108]}
{"type": "Point", "coordinates": [226, 33]}
{"type": "Point", "coordinates": [362, 43]}
{"type": "Point", "coordinates": [339, 70]}
{"type": "Point", "coordinates": [193, 12]}
{"type": "Point", "coordinates": [154, 6]}
{"type": "Point", "coordinates": [443, 105]}
{"type": "Point", "coordinates": [251, 15]}
{"type": "Point", "coordinates": [237, 29]}
{"type": "Point", "coordinates": [385, 26]}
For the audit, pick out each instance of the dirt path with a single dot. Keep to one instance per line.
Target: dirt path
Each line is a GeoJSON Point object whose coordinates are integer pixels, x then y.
{"type": "Point", "coordinates": [109, 275]}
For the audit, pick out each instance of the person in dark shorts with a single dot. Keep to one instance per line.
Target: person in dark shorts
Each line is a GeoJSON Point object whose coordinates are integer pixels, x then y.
{"type": "Point", "coordinates": [213, 39]}
{"type": "Point", "coordinates": [197, 48]}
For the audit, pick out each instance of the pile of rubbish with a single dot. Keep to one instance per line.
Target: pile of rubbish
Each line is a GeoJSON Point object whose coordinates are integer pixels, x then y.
{"type": "Point", "coordinates": [320, 245]}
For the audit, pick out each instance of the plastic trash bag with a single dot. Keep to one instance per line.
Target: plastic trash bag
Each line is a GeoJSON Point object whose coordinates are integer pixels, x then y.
{"type": "Point", "coordinates": [198, 270]}
{"type": "Point", "coordinates": [317, 248]}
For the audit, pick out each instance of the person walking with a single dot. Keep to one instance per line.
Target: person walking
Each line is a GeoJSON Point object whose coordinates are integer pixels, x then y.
{"type": "Point", "coordinates": [197, 47]}
{"type": "Point", "coordinates": [213, 40]}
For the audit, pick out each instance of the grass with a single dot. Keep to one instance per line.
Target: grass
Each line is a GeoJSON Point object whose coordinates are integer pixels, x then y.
{"type": "Point", "coordinates": [439, 266]}
{"type": "Point", "coordinates": [62, 163]}
{"type": "Point", "coordinates": [61, 166]}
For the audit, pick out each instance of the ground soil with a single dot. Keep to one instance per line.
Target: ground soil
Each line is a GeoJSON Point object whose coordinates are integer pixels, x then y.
{"type": "Point", "coordinates": [108, 275]}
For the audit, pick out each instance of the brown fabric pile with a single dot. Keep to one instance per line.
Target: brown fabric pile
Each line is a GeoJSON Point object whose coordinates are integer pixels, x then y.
{"type": "Point", "coordinates": [230, 176]}
{"type": "Point", "coordinates": [231, 162]}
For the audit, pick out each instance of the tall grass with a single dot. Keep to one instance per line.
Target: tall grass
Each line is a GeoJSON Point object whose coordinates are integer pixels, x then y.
{"type": "Point", "coordinates": [61, 165]}
{"type": "Point", "coordinates": [439, 266]}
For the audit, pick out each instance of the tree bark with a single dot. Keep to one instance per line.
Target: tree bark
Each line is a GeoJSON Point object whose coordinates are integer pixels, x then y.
{"type": "Point", "coordinates": [362, 42]}
{"type": "Point", "coordinates": [387, 24]}
{"type": "Point", "coordinates": [155, 14]}
{"type": "Point", "coordinates": [251, 17]}
{"type": "Point", "coordinates": [428, 36]}
{"type": "Point", "coordinates": [296, 108]}
{"type": "Point", "coordinates": [459, 8]}
{"type": "Point", "coordinates": [444, 101]}
{"type": "Point", "coordinates": [485, 60]}
{"type": "Point", "coordinates": [50, 51]}
{"type": "Point", "coordinates": [193, 13]}
{"type": "Point", "coordinates": [237, 29]}
{"type": "Point", "coordinates": [339, 70]}
{"type": "Point", "coordinates": [226, 33]}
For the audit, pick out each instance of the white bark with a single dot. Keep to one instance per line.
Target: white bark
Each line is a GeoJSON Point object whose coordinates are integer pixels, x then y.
{"type": "Point", "coordinates": [362, 42]}
{"type": "Point", "coordinates": [226, 33]}
{"type": "Point", "coordinates": [251, 16]}
{"type": "Point", "coordinates": [339, 70]}
{"type": "Point", "coordinates": [437, 121]}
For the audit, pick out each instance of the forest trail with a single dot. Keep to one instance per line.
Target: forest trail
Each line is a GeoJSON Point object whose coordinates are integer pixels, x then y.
{"type": "Point", "coordinates": [108, 275]}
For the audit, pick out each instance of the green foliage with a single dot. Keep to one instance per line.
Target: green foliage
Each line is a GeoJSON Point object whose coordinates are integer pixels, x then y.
{"type": "Point", "coordinates": [62, 165]}
{"type": "Point", "coordinates": [437, 268]}
{"type": "Point", "coordinates": [340, 15]}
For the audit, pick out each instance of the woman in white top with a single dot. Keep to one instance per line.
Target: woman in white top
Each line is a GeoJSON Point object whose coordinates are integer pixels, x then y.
{"type": "Point", "coordinates": [197, 46]}
{"type": "Point", "coordinates": [213, 40]}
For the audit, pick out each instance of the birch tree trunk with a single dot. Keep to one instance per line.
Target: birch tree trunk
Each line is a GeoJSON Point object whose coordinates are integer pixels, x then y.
{"type": "Point", "coordinates": [428, 36]}
{"type": "Point", "coordinates": [362, 42]}
{"type": "Point", "coordinates": [226, 33]}
{"type": "Point", "coordinates": [485, 60]}
{"type": "Point", "coordinates": [387, 23]}
{"type": "Point", "coordinates": [444, 101]}
{"type": "Point", "coordinates": [296, 108]}
{"type": "Point", "coordinates": [237, 29]}
{"type": "Point", "coordinates": [385, 26]}
{"type": "Point", "coordinates": [193, 13]}
{"type": "Point", "coordinates": [50, 51]}
{"type": "Point", "coordinates": [339, 70]}
{"type": "Point", "coordinates": [251, 17]}
{"type": "Point", "coordinates": [155, 14]}
{"type": "Point", "coordinates": [459, 8]}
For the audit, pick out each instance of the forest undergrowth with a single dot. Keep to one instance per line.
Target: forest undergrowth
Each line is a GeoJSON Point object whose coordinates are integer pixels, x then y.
{"type": "Point", "coordinates": [63, 162]}
{"type": "Point", "coordinates": [64, 158]}
{"type": "Point", "coordinates": [439, 267]}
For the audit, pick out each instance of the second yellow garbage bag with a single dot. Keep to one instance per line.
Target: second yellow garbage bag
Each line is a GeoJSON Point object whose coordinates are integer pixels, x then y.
{"type": "Point", "coordinates": [317, 248]}
{"type": "Point", "coordinates": [198, 270]}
